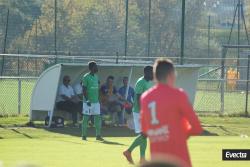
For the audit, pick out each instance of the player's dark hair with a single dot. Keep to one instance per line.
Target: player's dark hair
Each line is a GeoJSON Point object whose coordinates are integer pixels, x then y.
{"type": "Point", "coordinates": [91, 64]}
{"type": "Point", "coordinates": [111, 77]}
{"type": "Point", "coordinates": [66, 77]}
{"type": "Point", "coordinates": [162, 68]}
{"type": "Point", "coordinates": [148, 69]}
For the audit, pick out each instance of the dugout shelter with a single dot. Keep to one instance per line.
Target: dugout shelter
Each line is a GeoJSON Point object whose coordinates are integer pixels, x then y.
{"type": "Point", "coordinates": [45, 91]}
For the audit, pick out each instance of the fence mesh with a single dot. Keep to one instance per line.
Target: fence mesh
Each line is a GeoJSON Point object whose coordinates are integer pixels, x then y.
{"type": "Point", "coordinates": [208, 96]}
{"type": "Point", "coordinates": [15, 96]}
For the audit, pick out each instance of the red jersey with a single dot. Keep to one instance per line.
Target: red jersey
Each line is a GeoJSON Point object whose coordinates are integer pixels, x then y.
{"type": "Point", "coordinates": [168, 119]}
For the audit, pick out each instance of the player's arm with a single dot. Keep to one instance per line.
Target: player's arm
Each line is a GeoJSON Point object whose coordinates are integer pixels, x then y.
{"type": "Point", "coordinates": [84, 91]}
{"type": "Point", "coordinates": [138, 91]}
{"type": "Point", "coordinates": [190, 120]}
{"type": "Point", "coordinates": [143, 116]}
{"type": "Point", "coordinates": [138, 99]}
{"type": "Point", "coordinates": [84, 86]}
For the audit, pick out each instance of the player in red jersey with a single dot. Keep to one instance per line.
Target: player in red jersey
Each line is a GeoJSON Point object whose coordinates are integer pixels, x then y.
{"type": "Point", "coordinates": [167, 117]}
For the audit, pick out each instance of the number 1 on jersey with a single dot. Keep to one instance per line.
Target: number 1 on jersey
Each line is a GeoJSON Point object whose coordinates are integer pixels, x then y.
{"type": "Point", "coordinates": [152, 107]}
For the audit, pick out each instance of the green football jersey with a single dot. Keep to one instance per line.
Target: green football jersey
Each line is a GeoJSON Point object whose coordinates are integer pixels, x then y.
{"type": "Point", "coordinates": [141, 86]}
{"type": "Point", "coordinates": [91, 83]}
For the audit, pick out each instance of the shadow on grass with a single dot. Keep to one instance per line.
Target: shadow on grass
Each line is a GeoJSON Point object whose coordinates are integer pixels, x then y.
{"type": "Point", "coordinates": [110, 132]}
{"type": "Point", "coordinates": [106, 131]}
{"type": "Point", "coordinates": [24, 134]}
{"type": "Point", "coordinates": [227, 131]}
{"type": "Point", "coordinates": [103, 142]}
{"type": "Point", "coordinates": [112, 143]}
{"type": "Point", "coordinates": [208, 133]}
{"type": "Point", "coordinates": [222, 128]}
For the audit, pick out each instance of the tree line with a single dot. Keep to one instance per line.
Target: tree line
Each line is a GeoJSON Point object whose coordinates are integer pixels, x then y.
{"type": "Point", "coordinates": [98, 27]}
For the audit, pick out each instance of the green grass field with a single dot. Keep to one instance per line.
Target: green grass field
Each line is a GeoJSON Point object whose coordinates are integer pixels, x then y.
{"type": "Point", "coordinates": [63, 147]}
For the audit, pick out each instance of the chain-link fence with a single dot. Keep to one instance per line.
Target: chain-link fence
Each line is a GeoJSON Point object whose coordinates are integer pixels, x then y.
{"type": "Point", "coordinates": [15, 93]}
{"type": "Point", "coordinates": [16, 88]}
{"type": "Point", "coordinates": [208, 98]}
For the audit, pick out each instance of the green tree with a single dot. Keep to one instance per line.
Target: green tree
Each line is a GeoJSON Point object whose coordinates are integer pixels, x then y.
{"type": "Point", "coordinates": [21, 15]}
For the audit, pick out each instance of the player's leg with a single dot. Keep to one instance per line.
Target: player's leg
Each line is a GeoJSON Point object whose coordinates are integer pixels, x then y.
{"type": "Point", "coordinates": [143, 147]}
{"type": "Point", "coordinates": [85, 120]}
{"type": "Point", "coordinates": [128, 152]}
{"type": "Point", "coordinates": [97, 120]}
{"type": "Point", "coordinates": [138, 140]}
{"type": "Point", "coordinates": [85, 126]}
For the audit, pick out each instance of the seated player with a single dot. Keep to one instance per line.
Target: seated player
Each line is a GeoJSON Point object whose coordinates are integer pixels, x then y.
{"type": "Point", "coordinates": [126, 89]}
{"type": "Point", "coordinates": [167, 117]}
{"type": "Point", "coordinates": [110, 100]}
{"type": "Point", "coordinates": [67, 100]}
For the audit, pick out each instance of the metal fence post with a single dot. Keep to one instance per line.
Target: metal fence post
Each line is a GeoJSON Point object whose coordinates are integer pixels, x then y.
{"type": "Point", "coordinates": [19, 95]}
{"type": "Point", "coordinates": [117, 58]}
{"type": "Point", "coordinates": [248, 68]}
{"type": "Point", "coordinates": [209, 30]}
{"type": "Point", "coordinates": [55, 27]}
{"type": "Point", "coordinates": [126, 31]}
{"type": "Point", "coordinates": [6, 32]}
{"type": "Point", "coordinates": [183, 31]}
{"type": "Point", "coordinates": [2, 66]}
{"type": "Point", "coordinates": [222, 80]}
{"type": "Point", "coordinates": [149, 27]}
{"type": "Point", "coordinates": [18, 63]}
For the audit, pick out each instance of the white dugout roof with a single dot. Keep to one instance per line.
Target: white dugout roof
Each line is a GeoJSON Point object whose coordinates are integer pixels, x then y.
{"type": "Point", "coordinates": [45, 90]}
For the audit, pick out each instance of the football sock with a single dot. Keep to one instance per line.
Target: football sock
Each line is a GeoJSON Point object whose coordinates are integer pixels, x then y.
{"type": "Point", "coordinates": [143, 147]}
{"type": "Point", "coordinates": [136, 142]}
{"type": "Point", "coordinates": [85, 121]}
{"type": "Point", "coordinates": [97, 120]}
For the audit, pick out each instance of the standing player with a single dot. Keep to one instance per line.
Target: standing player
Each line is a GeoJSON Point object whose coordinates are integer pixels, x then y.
{"type": "Point", "coordinates": [142, 85]}
{"type": "Point", "coordinates": [167, 117]}
{"type": "Point", "coordinates": [91, 105]}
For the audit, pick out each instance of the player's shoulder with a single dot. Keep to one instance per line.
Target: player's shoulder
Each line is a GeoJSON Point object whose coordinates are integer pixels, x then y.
{"type": "Point", "coordinates": [180, 92]}
{"type": "Point", "coordinates": [141, 79]}
{"type": "Point", "coordinates": [85, 75]}
{"type": "Point", "coordinates": [149, 93]}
